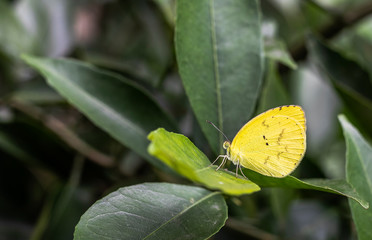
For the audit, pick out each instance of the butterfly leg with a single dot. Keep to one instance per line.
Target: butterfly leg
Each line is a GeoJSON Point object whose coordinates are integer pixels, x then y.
{"type": "Point", "coordinates": [240, 167]}
{"type": "Point", "coordinates": [223, 162]}
{"type": "Point", "coordinates": [219, 156]}
{"type": "Point", "coordinates": [236, 172]}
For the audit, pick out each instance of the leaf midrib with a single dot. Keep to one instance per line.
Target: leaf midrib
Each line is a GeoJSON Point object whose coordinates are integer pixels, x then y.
{"type": "Point", "coordinates": [182, 212]}
{"type": "Point", "coordinates": [216, 69]}
{"type": "Point", "coordinates": [100, 105]}
{"type": "Point", "coordinates": [368, 181]}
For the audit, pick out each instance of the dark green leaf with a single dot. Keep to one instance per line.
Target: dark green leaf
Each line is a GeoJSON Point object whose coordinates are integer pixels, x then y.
{"type": "Point", "coordinates": [178, 152]}
{"type": "Point", "coordinates": [273, 93]}
{"type": "Point", "coordinates": [135, 42]}
{"type": "Point", "coordinates": [276, 50]}
{"type": "Point", "coordinates": [219, 54]}
{"type": "Point", "coordinates": [116, 105]}
{"type": "Point", "coordinates": [349, 79]}
{"type": "Point", "coordinates": [37, 92]}
{"type": "Point", "coordinates": [358, 173]}
{"type": "Point", "coordinates": [336, 186]}
{"type": "Point", "coordinates": [364, 51]}
{"type": "Point", "coordinates": [62, 208]}
{"type": "Point", "coordinates": [154, 211]}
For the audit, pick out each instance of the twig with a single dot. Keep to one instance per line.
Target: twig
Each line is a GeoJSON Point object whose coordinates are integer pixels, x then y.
{"type": "Point", "coordinates": [61, 130]}
{"type": "Point", "coordinates": [249, 229]}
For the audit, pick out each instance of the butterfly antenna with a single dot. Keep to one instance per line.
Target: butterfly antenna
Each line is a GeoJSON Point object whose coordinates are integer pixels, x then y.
{"type": "Point", "coordinates": [218, 130]}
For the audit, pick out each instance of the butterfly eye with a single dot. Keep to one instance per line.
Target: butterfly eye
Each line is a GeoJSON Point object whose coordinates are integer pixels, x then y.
{"type": "Point", "coordinates": [226, 144]}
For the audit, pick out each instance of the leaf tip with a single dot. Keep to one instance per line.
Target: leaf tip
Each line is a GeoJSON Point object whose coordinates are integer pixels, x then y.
{"type": "Point", "coordinates": [30, 59]}
{"type": "Point", "coordinates": [365, 204]}
{"type": "Point", "coordinates": [26, 57]}
{"type": "Point", "coordinates": [342, 118]}
{"type": "Point", "coordinates": [345, 124]}
{"type": "Point", "coordinates": [153, 134]}
{"type": "Point", "coordinates": [151, 149]}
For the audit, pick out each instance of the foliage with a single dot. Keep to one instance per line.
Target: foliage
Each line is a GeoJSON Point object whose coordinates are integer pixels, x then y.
{"type": "Point", "coordinates": [97, 98]}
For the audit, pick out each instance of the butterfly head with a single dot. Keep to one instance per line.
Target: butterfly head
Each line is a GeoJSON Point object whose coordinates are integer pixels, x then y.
{"type": "Point", "coordinates": [226, 145]}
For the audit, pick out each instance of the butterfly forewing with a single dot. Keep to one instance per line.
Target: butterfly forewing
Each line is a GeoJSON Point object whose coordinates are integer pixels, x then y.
{"type": "Point", "coordinates": [273, 143]}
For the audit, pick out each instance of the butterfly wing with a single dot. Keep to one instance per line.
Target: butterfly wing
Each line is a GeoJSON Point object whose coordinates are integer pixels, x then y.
{"type": "Point", "coordinates": [273, 143]}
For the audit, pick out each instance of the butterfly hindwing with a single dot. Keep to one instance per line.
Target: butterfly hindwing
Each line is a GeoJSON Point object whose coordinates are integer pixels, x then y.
{"type": "Point", "coordinates": [273, 143]}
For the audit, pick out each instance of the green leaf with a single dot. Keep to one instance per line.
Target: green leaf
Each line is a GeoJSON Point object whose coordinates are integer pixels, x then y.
{"type": "Point", "coordinates": [337, 186]}
{"type": "Point", "coordinates": [136, 42]}
{"type": "Point", "coordinates": [168, 7]}
{"type": "Point", "coordinates": [273, 93]}
{"type": "Point", "coordinates": [363, 49]}
{"type": "Point", "coordinates": [179, 153]}
{"type": "Point", "coordinates": [349, 79]}
{"type": "Point", "coordinates": [358, 174]}
{"type": "Point", "coordinates": [14, 38]}
{"type": "Point", "coordinates": [37, 92]}
{"type": "Point", "coordinates": [119, 107]}
{"type": "Point", "coordinates": [220, 59]}
{"type": "Point", "coordinates": [154, 211]}
{"type": "Point", "coordinates": [276, 50]}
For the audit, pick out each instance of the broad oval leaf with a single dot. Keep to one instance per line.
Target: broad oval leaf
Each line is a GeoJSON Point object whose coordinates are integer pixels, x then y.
{"type": "Point", "coordinates": [220, 58]}
{"type": "Point", "coordinates": [116, 105]}
{"type": "Point", "coordinates": [358, 173]}
{"type": "Point", "coordinates": [179, 153]}
{"type": "Point", "coordinates": [154, 211]}
{"type": "Point", "coordinates": [336, 186]}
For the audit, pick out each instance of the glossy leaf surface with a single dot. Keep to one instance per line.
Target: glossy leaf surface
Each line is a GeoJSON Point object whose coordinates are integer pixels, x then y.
{"type": "Point", "coordinates": [115, 104]}
{"type": "Point", "coordinates": [154, 211]}
{"type": "Point", "coordinates": [179, 153]}
{"type": "Point", "coordinates": [220, 59]}
{"type": "Point", "coordinates": [358, 173]}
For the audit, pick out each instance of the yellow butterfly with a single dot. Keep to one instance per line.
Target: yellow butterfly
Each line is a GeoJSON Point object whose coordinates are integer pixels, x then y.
{"type": "Point", "coordinates": [273, 143]}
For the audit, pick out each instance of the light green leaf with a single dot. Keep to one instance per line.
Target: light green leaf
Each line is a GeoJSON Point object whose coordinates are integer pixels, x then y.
{"type": "Point", "coordinates": [276, 50]}
{"type": "Point", "coordinates": [220, 59]}
{"type": "Point", "coordinates": [154, 211]}
{"type": "Point", "coordinates": [358, 174]}
{"type": "Point", "coordinates": [115, 104]}
{"type": "Point", "coordinates": [168, 7]}
{"type": "Point", "coordinates": [14, 37]}
{"type": "Point", "coordinates": [178, 152]}
{"type": "Point", "coordinates": [37, 92]}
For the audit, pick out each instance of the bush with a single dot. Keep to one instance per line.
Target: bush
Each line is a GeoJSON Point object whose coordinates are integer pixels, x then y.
{"type": "Point", "coordinates": [95, 96]}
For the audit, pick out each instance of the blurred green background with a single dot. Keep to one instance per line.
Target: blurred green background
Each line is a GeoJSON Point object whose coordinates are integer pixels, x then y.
{"type": "Point", "coordinates": [55, 163]}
